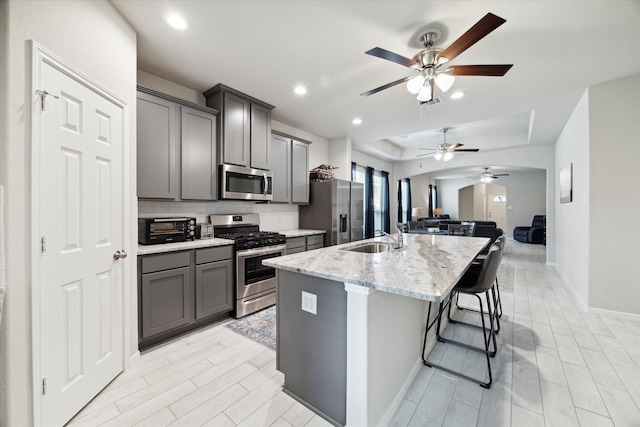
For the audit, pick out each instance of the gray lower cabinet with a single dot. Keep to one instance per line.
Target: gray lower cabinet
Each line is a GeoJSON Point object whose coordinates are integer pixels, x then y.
{"type": "Point", "coordinates": [176, 148]}
{"type": "Point", "coordinates": [290, 170]}
{"type": "Point", "coordinates": [180, 291]}
{"type": "Point", "coordinates": [304, 243]}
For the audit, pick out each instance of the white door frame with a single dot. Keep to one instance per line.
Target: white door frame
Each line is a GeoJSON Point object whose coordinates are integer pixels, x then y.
{"type": "Point", "coordinates": [39, 54]}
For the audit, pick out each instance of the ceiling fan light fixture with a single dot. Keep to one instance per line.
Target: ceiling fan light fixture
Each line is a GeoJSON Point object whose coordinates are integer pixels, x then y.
{"type": "Point", "coordinates": [445, 81]}
{"type": "Point", "coordinates": [437, 156]}
{"type": "Point", "coordinates": [425, 93]}
{"type": "Point", "coordinates": [415, 84]}
{"type": "Point", "coordinates": [448, 156]}
{"type": "Point", "coordinates": [486, 179]}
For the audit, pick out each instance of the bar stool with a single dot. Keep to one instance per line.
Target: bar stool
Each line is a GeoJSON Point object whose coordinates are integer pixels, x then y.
{"type": "Point", "coordinates": [500, 241]}
{"type": "Point", "coordinates": [474, 283]}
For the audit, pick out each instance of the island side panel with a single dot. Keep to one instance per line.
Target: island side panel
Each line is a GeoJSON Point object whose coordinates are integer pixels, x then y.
{"type": "Point", "coordinates": [312, 348]}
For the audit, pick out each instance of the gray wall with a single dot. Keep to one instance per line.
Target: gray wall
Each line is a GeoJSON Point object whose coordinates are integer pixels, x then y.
{"type": "Point", "coordinates": [526, 195]}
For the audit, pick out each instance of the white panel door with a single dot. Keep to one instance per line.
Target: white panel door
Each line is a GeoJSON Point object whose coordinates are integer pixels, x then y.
{"type": "Point", "coordinates": [497, 209]}
{"type": "Point", "coordinates": [81, 224]}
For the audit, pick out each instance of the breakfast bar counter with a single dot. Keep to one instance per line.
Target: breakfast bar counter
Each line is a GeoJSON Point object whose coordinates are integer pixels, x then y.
{"type": "Point", "coordinates": [351, 320]}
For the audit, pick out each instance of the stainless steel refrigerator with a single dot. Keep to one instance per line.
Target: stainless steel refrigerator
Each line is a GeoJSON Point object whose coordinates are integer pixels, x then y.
{"type": "Point", "coordinates": [337, 207]}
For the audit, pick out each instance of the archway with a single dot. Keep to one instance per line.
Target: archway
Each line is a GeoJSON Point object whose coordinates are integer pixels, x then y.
{"type": "Point", "coordinates": [486, 202]}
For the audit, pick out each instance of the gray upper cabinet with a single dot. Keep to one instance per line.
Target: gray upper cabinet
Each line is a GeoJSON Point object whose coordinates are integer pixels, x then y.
{"type": "Point", "coordinates": [245, 128]}
{"type": "Point", "coordinates": [176, 143]}
{"type": "Point", "coordinates": [290, 170]}
{"type": "Point", "coordinates": [199, 167]}
{"type": "Point", "coordinates": [281, 173]}
{"type": "Point", "coordinates": [260, 137]}
{"type": "Point", "coordinates": [157, 147]}
{"type": "Point", "coordinates": [236, 130]}
{"type": "Point", "coordinates": [299, 172]}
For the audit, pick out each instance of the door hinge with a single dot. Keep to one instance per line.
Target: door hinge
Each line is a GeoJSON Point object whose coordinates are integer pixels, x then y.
{"type": "Point", "coordinates": [43, 96]}
{"type": "Point", "coordinates": [43, 244]}
{"type": "Point", "coordinates": [44, 385]}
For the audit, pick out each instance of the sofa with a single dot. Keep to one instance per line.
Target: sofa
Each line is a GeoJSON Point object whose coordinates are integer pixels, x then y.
{"type": "Point", "coordinates": [536, 233]}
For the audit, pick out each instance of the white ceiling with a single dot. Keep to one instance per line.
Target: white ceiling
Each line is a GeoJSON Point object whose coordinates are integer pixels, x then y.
{"type": "Point", "coordinates": [266, 48]}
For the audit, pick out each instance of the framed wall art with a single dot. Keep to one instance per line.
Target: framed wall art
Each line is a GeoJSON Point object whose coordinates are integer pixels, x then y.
{"type": "Point", "coordinates": [566, 184]}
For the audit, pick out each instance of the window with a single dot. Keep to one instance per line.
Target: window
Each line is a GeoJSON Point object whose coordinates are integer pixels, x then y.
{"type": "Point", "coordinates": [380, 202]}
{"type": "Point", "coordinates": [406, 200]}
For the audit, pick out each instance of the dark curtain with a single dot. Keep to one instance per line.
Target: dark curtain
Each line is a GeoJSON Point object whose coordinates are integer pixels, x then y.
{"type": "Point", "coordinates": [430, 201]}
{"type": "Point", "coordinates": [369, 220]}
{"type": "Point", "coordinates": [386, 218]}
{"type": "Point", "coordinates": [400, 201]}
{"type": "Point", "coordinates": [407, 209]}
{"type": "Point", "coordinates": [353, 171]}
{"type": "Point", "coordinates": [435, 197]}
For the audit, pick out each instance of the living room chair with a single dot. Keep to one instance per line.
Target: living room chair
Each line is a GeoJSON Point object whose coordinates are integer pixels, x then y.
{"type": "Point", "coordinates": [533, 234]}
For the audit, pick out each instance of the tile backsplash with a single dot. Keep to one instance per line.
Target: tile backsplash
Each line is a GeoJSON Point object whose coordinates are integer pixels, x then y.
{"type": "Point", "coordinates": [273, 217]}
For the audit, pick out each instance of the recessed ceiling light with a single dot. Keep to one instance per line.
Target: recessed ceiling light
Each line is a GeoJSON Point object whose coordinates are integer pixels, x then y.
{"type": "Point", "coordinates": [177, 22]}
{"type": "Point", "coordinates": [300, 90]}
{"type": "Point", "coordinates": [457, 95]}
{"type": "Point", "coordinates": [356, 121]}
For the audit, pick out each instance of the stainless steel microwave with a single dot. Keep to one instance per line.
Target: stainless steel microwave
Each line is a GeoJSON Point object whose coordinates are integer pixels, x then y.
{"type": "Point", "coordinates": [241, 183]}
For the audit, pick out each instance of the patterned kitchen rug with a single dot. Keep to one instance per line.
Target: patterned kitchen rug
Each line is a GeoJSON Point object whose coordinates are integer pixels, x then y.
{"type": "Point", "coordinates": [259, 327]}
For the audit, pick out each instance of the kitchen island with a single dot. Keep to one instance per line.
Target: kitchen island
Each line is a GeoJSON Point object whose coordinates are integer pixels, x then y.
{"type": "Point", "coordinates": [350, 324]}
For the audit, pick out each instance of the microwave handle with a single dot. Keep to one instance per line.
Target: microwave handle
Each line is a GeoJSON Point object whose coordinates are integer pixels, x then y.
{"type": "Point", "coordinates": [265, 184]}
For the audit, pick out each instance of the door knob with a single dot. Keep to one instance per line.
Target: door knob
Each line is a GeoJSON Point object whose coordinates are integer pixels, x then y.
{"type": "Point", "coordinates": [119, 255]}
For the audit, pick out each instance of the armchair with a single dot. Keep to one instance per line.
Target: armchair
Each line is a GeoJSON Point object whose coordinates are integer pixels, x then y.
{"type": "Point", "coordinates": [534, 234]}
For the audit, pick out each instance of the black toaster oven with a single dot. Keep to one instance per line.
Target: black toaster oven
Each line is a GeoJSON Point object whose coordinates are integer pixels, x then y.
{"type": "Point", "coordinates": [165, 230]}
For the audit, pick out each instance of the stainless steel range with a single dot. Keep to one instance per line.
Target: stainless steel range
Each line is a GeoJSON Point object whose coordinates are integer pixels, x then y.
{"type": "Point", "coordinates": [255, 283]}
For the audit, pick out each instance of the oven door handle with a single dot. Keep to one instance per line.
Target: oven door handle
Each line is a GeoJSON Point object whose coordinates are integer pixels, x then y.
{"type": "Point", "coordinates": [247, 253]}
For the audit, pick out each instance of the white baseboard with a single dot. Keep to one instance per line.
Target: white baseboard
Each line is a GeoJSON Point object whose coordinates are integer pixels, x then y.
{"type": "Point", "coordinates": [584, 307]}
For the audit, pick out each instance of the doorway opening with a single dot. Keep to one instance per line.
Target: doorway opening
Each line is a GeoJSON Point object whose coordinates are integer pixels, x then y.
{"type": "Point", "coordinates": [483, 202]}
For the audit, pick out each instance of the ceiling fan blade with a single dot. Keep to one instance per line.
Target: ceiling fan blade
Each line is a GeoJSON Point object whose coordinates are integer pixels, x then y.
{"type": "Point", "coordinates": [474, 34]}
{"type": "Point", "coordinates": [474, 150]}
{"type": "Point", "coordinates": [432, 149]}
{"type": "Point", "coordinates": [500, 174]}
{"type": "Point", "coordinates": [454, 146]}
{"type": "Point", "coordinates": [387, 86]}
{"type": "Point", "coordinates": [480, 70]}
{"type": "Point", "coordinates": [425, 154]}
{"type": "Point", "coordinates": [393, 57]}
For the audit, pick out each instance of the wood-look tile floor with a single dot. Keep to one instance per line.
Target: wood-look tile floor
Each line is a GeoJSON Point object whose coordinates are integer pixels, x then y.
{"type": "Point", "coordinates": [555, 366]}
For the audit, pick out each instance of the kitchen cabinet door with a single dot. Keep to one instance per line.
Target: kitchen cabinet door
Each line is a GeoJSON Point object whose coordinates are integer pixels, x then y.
{"type": "Point", "coordinates": [260, 137]}
{"type": "Point", "coordinates": [214, 288]}
{"type": "Point", "coordinates": [165, 300]}
{"type": "Point", "coordinates": [299, 172]}
{"type": "Point", "coordinates": [199, 169]}
{"type": "Point", "coordinates": [236, 130]}
{"type": "Point", "coordinates": [157, 147]}
{"type": "Point", "coordinates": [281, 173]}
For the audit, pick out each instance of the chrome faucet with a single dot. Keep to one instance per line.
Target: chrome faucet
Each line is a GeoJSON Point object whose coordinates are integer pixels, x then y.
{"type": "Point", "coordinates": [399, 242]}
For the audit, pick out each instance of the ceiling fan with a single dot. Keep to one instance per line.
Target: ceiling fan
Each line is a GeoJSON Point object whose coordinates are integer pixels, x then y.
{"type": "Point", "coordinates": [445, 150]}
{"type": "Point", "coordinates": [430, 61]}
{"type": "Point", "coordinates": [487, 176]}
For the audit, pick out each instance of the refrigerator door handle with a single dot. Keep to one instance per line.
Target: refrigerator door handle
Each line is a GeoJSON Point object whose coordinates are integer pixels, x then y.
{"type": "Point", "coordinates": [343, 223]}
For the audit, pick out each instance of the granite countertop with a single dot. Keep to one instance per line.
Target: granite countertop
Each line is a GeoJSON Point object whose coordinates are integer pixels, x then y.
{"type": "Point", "coordinates": [182, 246]}
{"type": "Point", "coordinates": [427, 268]}
{"type": "Point", "coordinates": [301, 232]}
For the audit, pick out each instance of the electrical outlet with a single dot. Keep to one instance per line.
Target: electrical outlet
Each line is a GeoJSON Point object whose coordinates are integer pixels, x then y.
{"type": "Point", "coordinates": [309, 302]}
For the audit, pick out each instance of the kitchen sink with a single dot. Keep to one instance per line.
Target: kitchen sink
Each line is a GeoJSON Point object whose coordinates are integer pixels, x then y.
{"type": "Point", "coordinates": [369, 248]}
